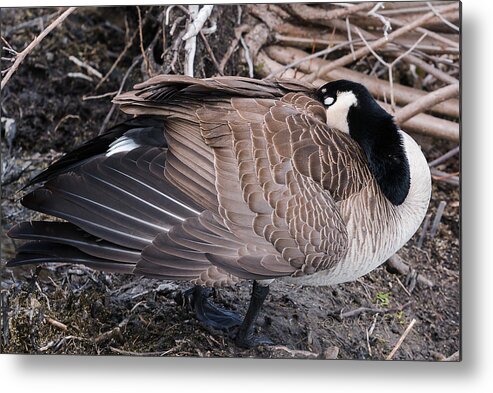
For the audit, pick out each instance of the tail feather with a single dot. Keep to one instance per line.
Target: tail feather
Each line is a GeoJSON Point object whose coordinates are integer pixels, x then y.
{"type": "Point", "coordinates": [69, 234]}
{"type": "Point", "coordinates": [39, 252]}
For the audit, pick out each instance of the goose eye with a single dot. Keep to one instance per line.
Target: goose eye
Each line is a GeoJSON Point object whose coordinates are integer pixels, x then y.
{"type": "Point", "coordinates": [329, 101]}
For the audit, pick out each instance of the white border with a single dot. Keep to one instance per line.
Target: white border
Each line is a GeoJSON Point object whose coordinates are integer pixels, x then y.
{"type": "Point", "coordinates": [109, 374]}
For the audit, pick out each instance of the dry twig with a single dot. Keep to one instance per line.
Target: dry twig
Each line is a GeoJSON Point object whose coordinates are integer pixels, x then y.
{"type": "Point", "coordinates": [122, 84]}
{"type": "Point", "coordinates": [386, 23]}
{"type": "Point", "coordinates": [438, 218]}
{"type": "Point", "coordinates": [90, 70]}
{"type": "Point", "coordinates": [232, 47]}
{"type": "Point", "coordinates": [128, 45]}
{"type": "Point", "coordinates": [401, 340]}
{"type": "Point", "coordinates": [56, 323]}
{"type": "Point", "coordinates": [442, 18]}
{"type": "Point", "coordinates": [22, 55]}
{"type": "Point", "coordinates": [97, 97]}
{"type": "Point", "coordinates": [307, 58]}
{"type": "Point", "coordinates": [142, 50]}
{"type": "Point", "coordinates": [431, 34]}
{"type": "Point", "coordinates": [248, 57]}
{"type": "Point", "coordinates": [378, 43]}
{"type": "Point", "coordinates": [390, 66]}
{"type": "Point", "coordinates": [424, 231]}
{"type": "Point", "coordinates": [211, 53]}
{"type": "Point", "coordinates": [444, 157]}
{"type": "Point", "coordinates": [361, 310]}
{"type": "Point", "coordinates": [450, 178]}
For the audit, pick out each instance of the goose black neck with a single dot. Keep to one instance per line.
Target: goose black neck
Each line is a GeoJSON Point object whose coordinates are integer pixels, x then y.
{"type": "Point", "coordinates": [378, 136]}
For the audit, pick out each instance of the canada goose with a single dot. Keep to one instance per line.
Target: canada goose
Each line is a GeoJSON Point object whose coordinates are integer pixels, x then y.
{"type": "Point", "coordinates": [225, 179]}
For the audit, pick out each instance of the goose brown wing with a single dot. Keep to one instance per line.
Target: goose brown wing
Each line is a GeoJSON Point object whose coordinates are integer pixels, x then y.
{"type": "Point", "coordinates": [272, 177]}
{"type": "Point", "coordinates": [286, 164]}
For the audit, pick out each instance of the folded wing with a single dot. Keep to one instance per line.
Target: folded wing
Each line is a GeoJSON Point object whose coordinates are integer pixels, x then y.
{"type": "Point", "coordinates": [242, 181]}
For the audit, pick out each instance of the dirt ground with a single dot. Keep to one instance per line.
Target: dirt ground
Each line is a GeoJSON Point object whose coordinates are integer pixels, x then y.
{"type": "Point", "coordinates": [67, 309]}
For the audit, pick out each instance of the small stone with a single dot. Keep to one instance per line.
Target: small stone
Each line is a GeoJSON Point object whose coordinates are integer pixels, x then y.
{"type": "Point", "coordinates": [331, 353]}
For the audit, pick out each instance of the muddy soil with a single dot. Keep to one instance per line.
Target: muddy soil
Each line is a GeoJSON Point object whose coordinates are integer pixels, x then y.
{"type": "Point", "coordinates": [67, 309]}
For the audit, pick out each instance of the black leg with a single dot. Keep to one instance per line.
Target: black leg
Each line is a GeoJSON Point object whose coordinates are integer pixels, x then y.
{"type": "Point", "coordinates": [246, 336]}
{"type": "Point", "coordinates": [208, 313]}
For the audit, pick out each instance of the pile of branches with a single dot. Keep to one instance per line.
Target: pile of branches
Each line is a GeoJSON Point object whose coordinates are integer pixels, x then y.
{"type": "Point", "coordinates": [317, 43]}
{"type": "Point", "coordinates": [364, 43]}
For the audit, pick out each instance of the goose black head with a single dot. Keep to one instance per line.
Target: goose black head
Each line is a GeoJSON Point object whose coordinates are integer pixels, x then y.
{"type": "Point", "coordinates": [352, 109]}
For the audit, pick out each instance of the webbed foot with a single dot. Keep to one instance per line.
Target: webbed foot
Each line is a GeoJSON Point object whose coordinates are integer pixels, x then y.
{"type": "Point", "coordinates": [196, 299]}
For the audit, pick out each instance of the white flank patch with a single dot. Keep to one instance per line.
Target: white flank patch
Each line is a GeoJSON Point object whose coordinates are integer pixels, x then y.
{"type": "Point", "coordinates": [122, 144]}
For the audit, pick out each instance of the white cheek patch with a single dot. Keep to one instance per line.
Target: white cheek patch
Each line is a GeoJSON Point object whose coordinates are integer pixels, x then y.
{"type": "Point", "coordinates": [328, 101]}
{"type": "Point", "coordinates": [337, 114]}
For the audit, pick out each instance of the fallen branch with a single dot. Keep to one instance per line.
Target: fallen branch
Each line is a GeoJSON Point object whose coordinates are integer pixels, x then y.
{"type": "Point", "coordinates": [445, 177]}
{"type": "Point", "coordinates": [424, 231]}
{"type": "Point", "coordinates": [324, 40]}
{"type": "Point", "coordinates": [426, 102]}
{"type": "Point", "coordinates": [309, 57]}
{"type": "Point", "coordinates": [396, 263]}
{"type": "Point", "coordinates": [435, 127]}
{"type": "Point", "coordinates": [269, 14]}
{"type": "Point", "coordinates": [430, 69]}
{"type": "Point", "coordinates": [431, 34]}
{"type": "Point", "coordinates": [444, 157]}
{"type": "Point", "coordinates": [256, 38]}
{"type": "Point", "coordinates": [437, 219]}
{"type": "Point", "coordinates": [198, 20]}
{"type": "Point", "coordinates": [22, 55]}
{"type": "Point", "coordinates": [320, 15]}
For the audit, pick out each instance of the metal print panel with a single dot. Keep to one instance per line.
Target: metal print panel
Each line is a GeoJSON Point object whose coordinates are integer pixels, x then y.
{"type": "Point", "coordinates": [262, 180]}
